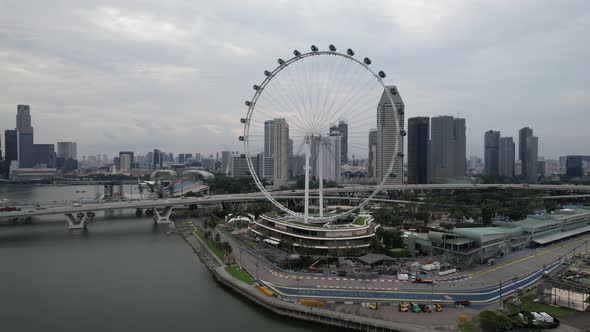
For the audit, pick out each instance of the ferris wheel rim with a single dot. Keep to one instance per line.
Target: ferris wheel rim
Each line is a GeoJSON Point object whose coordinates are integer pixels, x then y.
{"type": "Point", "coordinates": [252, 105]}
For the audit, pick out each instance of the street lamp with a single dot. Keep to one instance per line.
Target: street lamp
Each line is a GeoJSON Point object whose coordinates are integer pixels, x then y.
{"type": "Point", "coordinates": [257, 271]}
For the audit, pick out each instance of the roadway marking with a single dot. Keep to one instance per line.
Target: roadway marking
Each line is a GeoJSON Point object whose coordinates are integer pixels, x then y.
{"type": "Point", "coordinates": [524, 259]}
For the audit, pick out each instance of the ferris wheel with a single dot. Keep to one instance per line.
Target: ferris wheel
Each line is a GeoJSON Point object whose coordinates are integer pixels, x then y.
{"type": "Point", "coordinates": [312, 114]}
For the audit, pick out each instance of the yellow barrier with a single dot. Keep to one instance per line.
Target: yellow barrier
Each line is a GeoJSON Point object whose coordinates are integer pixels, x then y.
{"type": "Point", "coordinates": [266, 291]}
{"type": "Point", "coordinates": [313, 303]}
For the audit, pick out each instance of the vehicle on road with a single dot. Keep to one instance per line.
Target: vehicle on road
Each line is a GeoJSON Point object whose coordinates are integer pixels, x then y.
{"type": "Point", "coordinates": [404, 307]}
{"type": "Point", "coordinates": [77, 205]}
{"type": "Point", "coordinates": [425, 308]}
{"type": "Point", "coordinates": [373, 306]}
{"type": "Point", "coordinates": [438, 307]}
{"type": "Point", "coordinates": [420, 280]}
{"type": "Point", "coordinates": [415, 307]}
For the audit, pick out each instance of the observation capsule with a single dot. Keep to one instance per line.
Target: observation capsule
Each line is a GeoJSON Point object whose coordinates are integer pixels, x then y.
{"type": "Point", "coordinates": [314, 48]}
{"type": "Point", "coordinates": [393, 91]}
{"type": "Point", "coordinates": [280, 61]}
{"type": "Point", "coordinates": [241, 138]}
{"type": "Point", "coordinates": [402, 133]}
{"type": "Point", "coordinates": [256, 87]}
{"type": "Point", "coordinates": [367, 61]}
{"type": "Point", "coordinates": [332, 48]}
{"type": "Point", "coordinates": [382, 74]}
{"type": "Point", "coordinates": [296, 53]}
{"type": "Point", "coordinates": [248, 103]}
{"type": "Point", "coordinates": [243, 120]}
{"type": "Point", "coordinates": [400, 155]}
{"type": "Point", "coordinates": [266, 73]}
{"type": "Point", "coordinates": [350, 52]}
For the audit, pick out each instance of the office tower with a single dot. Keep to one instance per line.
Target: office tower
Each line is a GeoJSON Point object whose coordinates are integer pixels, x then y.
{"type": "Point", "coordinates": [574, 166]}
{"type": "Point", "coordinates": [239, 166]}
{"type": "Point", "coordinates": [268, 138]}
{"type": "Point", "coordinates": [388, 136]}
{"type": "Point", "coordinates": [0, 148]}
{"type": "Point", "coordinates": [26, 158]}
{"type": "Point", "coordinates": [343, 130]}
{"type": "Point", "coordinates": [198, 157]}
{"type": "Point", "coordinates": [541, 165]}
{"type": "Point", "coordinates": [518, 168]}
{"type": "Point", "coordinates": [491, 150]}
{"type": "Point", "coordinates": [226, 160]}
{"type": "Point", "coordinates": [44, 155]}
{"type": "Point", "coordinates": [418, 150]}
{"type": "Point", "coordinates": [506, 157]}
{"type": "Point", "coordinates": [530, 161]}
{"type": "Point", "coordinates": [297, 165]}
{"type": "Point", "coordinates": [372, 162]}
{"type": "Point", "coordinates": [280, 145]}
{"type": "Point", "coordinates": [67, 150]}
{"type": "Point", "coordinates": [157, 159]}
{"type": "Point", "coordinates": [11, 145]}
{"type": "Point", "coordinates": [125, 161]}
{"type": "Point", "coordinates": [523, 134]}
{"type": "Point", "coordinates": [447, 148]}
{"type": "Point", "coordinates": [182, 158]}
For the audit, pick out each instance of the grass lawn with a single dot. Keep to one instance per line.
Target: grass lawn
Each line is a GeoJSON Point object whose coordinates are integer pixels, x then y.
{"type": "Point", "coordinates": [529, 305]}
{"type": "Point", "coordinates": [239, 274]}
{"type": "Point", "coordinates": [361, 221]}
{"type": "Point", "coordinates": [210, 243]}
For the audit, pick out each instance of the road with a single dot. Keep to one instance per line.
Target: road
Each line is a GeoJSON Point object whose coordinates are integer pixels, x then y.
{"type": "Point", "coordinates": [479, 285]}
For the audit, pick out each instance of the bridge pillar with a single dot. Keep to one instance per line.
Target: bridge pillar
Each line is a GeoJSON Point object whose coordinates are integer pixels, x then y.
{"type": "Point", "coordinates": [162, 216]}
{"type": "Point", "coordinates": [75, 222]}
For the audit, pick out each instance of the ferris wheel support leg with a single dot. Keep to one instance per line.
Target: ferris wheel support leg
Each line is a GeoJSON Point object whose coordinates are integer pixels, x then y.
{"type": "Point", "coordinates": [307, 169]}
{"type": "Point", "coordinates": [321, 178]}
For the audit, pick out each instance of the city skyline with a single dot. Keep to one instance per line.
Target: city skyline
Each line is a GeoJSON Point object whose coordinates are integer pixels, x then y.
{"type": "Point", "coordinates": [493, 68]}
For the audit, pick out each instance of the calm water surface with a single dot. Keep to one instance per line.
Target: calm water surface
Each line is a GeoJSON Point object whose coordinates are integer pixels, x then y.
{"type": "Point", "coordinates": [122, 274]}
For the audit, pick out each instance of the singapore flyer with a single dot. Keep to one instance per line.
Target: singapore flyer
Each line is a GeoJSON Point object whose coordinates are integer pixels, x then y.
{"type": "Point", "coordinates": [315, 114]}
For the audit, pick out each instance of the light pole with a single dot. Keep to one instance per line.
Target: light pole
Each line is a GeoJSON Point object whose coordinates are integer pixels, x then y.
{"type": "Point", "coordinates": [298, 290]}
{"type": "Point", "coordinates": [257, 271]}
{"type": "Point", "coordinates": [432, 294]}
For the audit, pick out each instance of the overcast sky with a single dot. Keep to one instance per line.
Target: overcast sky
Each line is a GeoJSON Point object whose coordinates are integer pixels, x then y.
{"type": "Point", "coordinates": [138, 75]}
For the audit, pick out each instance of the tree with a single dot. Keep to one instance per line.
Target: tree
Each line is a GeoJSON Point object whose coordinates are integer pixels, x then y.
{"type": "Point", "coordinates": [190, 194]}
{"type": "Point", "coordinates": [494, 321]}
{"type": "Point", "coordinates": [227, 248]}
{"type": "Point", "coordinates": [488, 211]}
{"type": "Point", "coordinates": [550, 205]}
{"type": "Point", "coordinates": [217, 237]}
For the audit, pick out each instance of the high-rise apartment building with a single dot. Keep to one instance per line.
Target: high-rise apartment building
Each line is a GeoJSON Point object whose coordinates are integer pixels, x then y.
{"type": "Point", "coordinates": [523, 134]}
{"type": "Point", "coordinates": [131, 159]}
{"type": "Point", "coordinates": [418, 150]}
{"type": "Point", "coordinates": [388, 136]}
{"type": "Point", "coordinates": [447, 148]}
{"type": "Point", "coordinates": [506, 157]}
{"type": "Point", "coordinates": [280, 137]}
{"type": "Point", "coordinates": [529, 165]}
{"type": "Point", "coordinates": [491, 153]}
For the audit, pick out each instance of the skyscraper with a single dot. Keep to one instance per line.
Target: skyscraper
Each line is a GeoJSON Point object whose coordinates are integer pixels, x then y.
{"type": "Point", "coordinates": [44, 155]}
{"type": "Point", "coordinates": [157, 159]}
{"type": "Point", "coordinates": [11, 145]}
{"type": "Point", "coordinates": [67, 150]}
{"type": "Point", "coordinates": [268, 138]}
{"type": "Point", "coordinates": [343, 129]}
{"type": "Point", "coordinates": [226, 160]}
{"type": "Point", "coordinates": [506, 157]}
{"type": "Point", "coordinates": [388, 136]}
{"type": "Point", "coordinates": [280, 137]}
{"type": "Point", "coordinates": [372, 163]}
{"type": "Point", "coordinates": [574, 166]}
{"type": "Point", "coordinates": [447, 148]}
{"type": "Point", "coordinates": [24, 129]}
{"type": "Point", "coordinates": [530, 160]}
{"type": "Point", "coordinates": [125, 161]}
{"type": "Point", "coordinates": [491, 150]}
{"type": "Point", "coordinates": [131, 159]}
{"type": "Point", "coordinates": [523, 134]}
{"type": "Point", "coordinates": [418, 150]}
